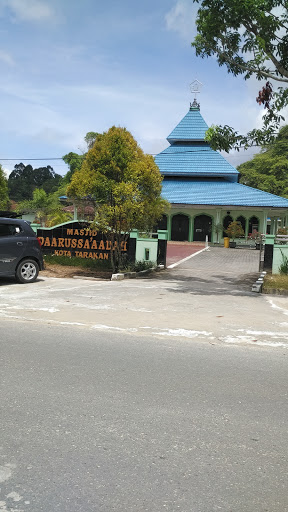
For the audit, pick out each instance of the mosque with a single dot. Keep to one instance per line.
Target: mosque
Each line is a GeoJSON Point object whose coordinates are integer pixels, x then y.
{"type": "Point", "coordinates": [203, 189]}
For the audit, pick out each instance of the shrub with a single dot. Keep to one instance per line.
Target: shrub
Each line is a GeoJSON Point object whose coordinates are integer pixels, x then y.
{"type": "Point", "coordinates": [234, 230]}
{"type": "Point", "coordinates": [283, 269]}
{"type": "Point", "coordinates": [282, 231]}
{"type": "Point", "coordinates": [138, 266]}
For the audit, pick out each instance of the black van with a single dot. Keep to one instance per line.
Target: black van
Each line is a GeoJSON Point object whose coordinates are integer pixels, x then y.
{"type": "Point", "coordinates": [20, 251]}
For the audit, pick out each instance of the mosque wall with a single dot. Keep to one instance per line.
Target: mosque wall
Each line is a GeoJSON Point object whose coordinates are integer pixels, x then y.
{"type": "Point", "coordinates": [193, 224]}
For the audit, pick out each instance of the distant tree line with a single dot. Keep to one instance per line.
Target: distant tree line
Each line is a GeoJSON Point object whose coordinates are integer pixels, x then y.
{"type": "Point", "coordinates": [23, 180]}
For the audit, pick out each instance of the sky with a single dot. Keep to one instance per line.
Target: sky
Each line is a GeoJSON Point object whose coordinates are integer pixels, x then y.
{"type": "Point", "coordinates": [69, 67]}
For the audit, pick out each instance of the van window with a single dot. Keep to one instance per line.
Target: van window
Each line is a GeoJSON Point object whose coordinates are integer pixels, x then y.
{"type": "Point", "coordinates": [9, 229]}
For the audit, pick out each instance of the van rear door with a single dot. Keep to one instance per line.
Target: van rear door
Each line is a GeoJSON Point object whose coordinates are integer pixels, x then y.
{"type": "Point", "coordinates": [13, 242]}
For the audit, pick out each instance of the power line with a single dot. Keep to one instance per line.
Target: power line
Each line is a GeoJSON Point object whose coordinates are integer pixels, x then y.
{"type": "Point", "coordinates": [28, 159]}
{"type": "Point", "coordinates": [151, 154]}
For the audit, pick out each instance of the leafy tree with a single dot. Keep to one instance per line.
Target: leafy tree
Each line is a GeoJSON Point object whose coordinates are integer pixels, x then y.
{"type": "Point", "coordinates": [268, 170]}
{"type": "Point", "coordinates": [75, 162]}
{"type": "Point", "coordinates": [57, 216]}
{"type": "Point", "coordinates": [90, 139]}
{"type": "Point", "coordinates": [46, 178]}
{"type": "Point", "coordinates": [46, 207]}
{"type": "Point", "coordinates": [23, 180]}
{"type": "Point", "coordinates": [125, 184]}
{"type": "Point", "coordinates": [4, 199]}
{"type": "Point", "coordinates": [20, 182]}
{"type": "Point", "coordinates": [39, 204]}
{"type": "Point", "coordinates": [250, 38]}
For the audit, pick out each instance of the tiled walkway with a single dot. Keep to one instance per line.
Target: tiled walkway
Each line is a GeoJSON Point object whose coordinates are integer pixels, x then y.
{"type": "Point", "coordinates": [217, 271]}
{"type": "Point", "coordinates": [177, 251]}
{"type": "Point", "coordinates": [224, 261]}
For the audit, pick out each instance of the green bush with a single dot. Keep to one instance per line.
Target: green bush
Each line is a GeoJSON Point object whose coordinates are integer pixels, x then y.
{"type": "Point", "coordinates": [234, 230]}
{"type": "Point", "coordinates": [283, 269]}
{"type": "Point", "coordinates": [138, 266]}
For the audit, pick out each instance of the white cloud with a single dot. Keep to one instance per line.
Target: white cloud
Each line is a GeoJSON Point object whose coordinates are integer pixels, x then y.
{"type": "Point", "coordinates": [6, 58]}
{"type": "Point", "coordinates": [29, 10]}
{"type": "Point", "coordinates": [181, 19]}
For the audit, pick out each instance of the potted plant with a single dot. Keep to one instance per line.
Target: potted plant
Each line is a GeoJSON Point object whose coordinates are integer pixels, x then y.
{"type": "Point", "coordinates": [282, 231]}
{"type": "Point", "coordinates": [234, 230]}
{"type": "Point", "coordinates": [256, 236]}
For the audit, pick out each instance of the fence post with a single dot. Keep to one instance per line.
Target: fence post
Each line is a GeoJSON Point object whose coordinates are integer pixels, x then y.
{"type": "Point", "coordinates": [268, 252]}
{"type": "Point", "coordinates": [132, 245]}
{"type": "Point", "coordinates": [162, 246]}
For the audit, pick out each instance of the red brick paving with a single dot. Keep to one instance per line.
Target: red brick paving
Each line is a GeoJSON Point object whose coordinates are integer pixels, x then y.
{"type": "Point", "coordinates": [177, 251]}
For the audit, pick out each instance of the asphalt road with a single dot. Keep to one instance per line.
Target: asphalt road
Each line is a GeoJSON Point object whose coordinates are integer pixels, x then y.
{"type": "Point", "coordinates": [93, 420]}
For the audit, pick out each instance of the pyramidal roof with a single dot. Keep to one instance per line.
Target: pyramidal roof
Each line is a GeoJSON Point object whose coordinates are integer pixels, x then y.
{"type": "Point", "coordinates": [191, 128]}
{"type": "Point", "coordinates": [189, 155]}
{"type": "Point", "coordinates": [196, 174]}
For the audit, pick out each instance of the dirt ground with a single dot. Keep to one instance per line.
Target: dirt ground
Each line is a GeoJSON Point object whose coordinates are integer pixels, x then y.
{"type": "Point", "coordinates": [64, 271]}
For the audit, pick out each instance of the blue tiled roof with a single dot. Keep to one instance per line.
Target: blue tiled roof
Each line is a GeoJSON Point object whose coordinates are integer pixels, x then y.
{"type": "Point", "coordinates": [218, 192]}
{"type": "Point", "coordinates": [195, 174]}
{"type": "Point", "coordinates": [194, 160]}
{"type": "Point", "coordinates": [191, 128]}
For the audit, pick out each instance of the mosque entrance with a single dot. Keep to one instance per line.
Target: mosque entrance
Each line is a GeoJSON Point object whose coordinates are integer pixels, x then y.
{"type": "Point", "coordinates": [202, 227]}
{"type": "Point", "coordinates": [180, 228]}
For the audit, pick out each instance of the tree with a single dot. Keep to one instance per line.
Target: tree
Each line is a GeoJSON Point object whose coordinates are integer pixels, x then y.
{"type": "Point", "coordinates": [4, 198]}
{"type": "Point", "coordinates": [20, 182]}
{"type": "Point", "coordinates": [90, 139]}
{"type": "Point", "coordinates": [46, 178]}
{"type": "Point", "coordinates": [268, 170]}
{"type": "Point", "coordinates": [125, 184]}
{"type": "Point", "coordinates": [23, 180]}
{"type": "Point", "coordinates": [46, 207]}
{"type": "Point", "coordinates": [75, 161]}
{"type": "Point", "coordinates": [250, 38]}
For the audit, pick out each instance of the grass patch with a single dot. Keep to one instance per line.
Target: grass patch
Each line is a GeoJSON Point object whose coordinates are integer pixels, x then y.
{"type": "Point", "coordinates": [283, 269]}
{"type": "Point", "coordinates": [275, 282]}
{"type": "Point", "coordinates": [77, 262]}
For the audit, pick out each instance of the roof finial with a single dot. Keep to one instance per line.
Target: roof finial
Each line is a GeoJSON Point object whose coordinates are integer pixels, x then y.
{"type": "Point", "coordinates": [195, 87]}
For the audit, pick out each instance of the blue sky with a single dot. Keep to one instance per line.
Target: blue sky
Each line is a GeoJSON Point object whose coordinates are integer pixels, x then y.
{"type": "Point", "coordinates": [69, 67]}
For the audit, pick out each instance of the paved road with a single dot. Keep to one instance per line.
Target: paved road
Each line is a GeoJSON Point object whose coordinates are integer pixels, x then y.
{"type": "Point", "coordinates": [207, 298]}
{"type": "Point", "coordinates": [99, 421]}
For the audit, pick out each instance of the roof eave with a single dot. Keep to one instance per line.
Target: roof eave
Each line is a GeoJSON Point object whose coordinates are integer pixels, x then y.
{"type": "Point", "coordinates": [229, 206]}
{"type": "Point", "coordinates": [181, 139]}
{"type": "Point", "coordinates": [195, 174]}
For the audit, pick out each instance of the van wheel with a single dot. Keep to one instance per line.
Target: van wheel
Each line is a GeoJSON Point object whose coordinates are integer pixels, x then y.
{"type": "Point", "coordinates": [27, 271]}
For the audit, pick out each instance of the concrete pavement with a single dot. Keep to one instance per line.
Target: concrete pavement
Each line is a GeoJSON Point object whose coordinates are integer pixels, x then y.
{"type": "Point", "coordinates": [218, 271]}
{"type": "Point", "coordinates": [208, 297]}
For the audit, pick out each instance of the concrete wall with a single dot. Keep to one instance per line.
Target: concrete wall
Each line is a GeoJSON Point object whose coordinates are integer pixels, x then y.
{"type": "Point", "coordinates": [146, 249]}
{"type": "Point", "coordinates": [218, 214]}
{"type": "Point", "coordinates": [278, 253]}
